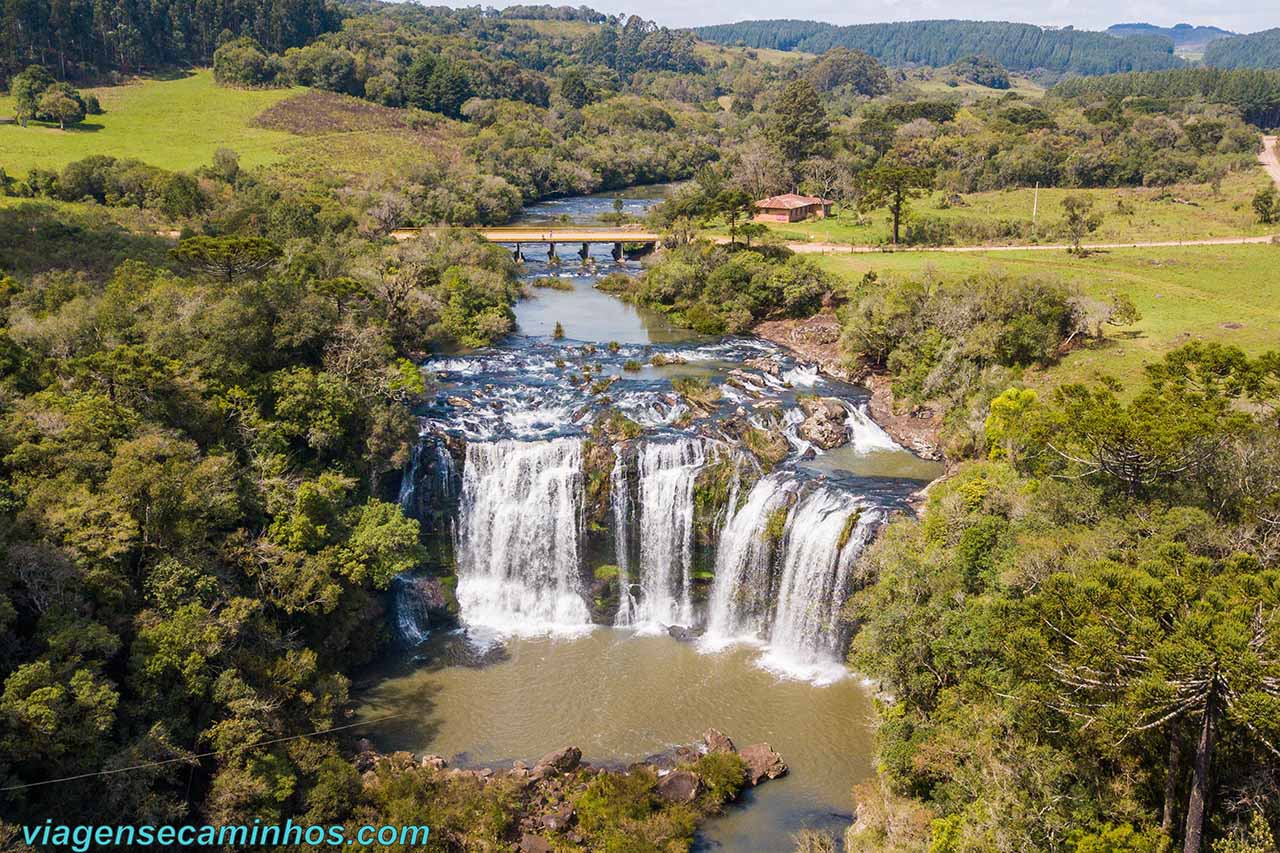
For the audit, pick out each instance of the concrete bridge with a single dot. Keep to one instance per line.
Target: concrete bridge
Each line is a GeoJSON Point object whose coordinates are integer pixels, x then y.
{"type": "Point", "coordinates": [519, 235]}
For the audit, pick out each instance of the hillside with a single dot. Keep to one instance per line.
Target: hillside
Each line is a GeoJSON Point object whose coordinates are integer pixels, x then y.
{"type": "Point", "coordinates": [1187, 39]}
{"type": "Point", "coordinates": [1258, 50]}
{"type": "Point", "coordinates": [1018, 47]}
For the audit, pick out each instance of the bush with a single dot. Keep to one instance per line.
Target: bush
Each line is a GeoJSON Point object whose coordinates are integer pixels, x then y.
{"type": "Point", "coordinates": [242, 62]}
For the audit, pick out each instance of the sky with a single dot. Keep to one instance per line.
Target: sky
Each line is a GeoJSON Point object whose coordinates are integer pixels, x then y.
{"type": "Point", "coordinates": [1242, 16]}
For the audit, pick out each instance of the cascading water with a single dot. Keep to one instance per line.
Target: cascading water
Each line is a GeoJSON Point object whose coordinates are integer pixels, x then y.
{"type": "Point", "coordinates": [518, 536]}
{"type": "Point", "coordinates": [668, 471]}
{"type": "Point", "coordinates": [742, 594]}
{"type": "Point", "coordinates": [826, 532]}
{"type": "Point", "coordinates": [620, 500]}
{"type": "Point", "coordinates": [867, 436]}
{"type": "Point", "coordinates": [410, 611]}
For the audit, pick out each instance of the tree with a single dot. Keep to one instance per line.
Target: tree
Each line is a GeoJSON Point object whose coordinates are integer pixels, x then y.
{"type": "Point", "coordinates": [228, 258]}
{"type": "Point", "coordinates": [57, 105]}
{"type": "Point", "coordinates": [843, 67]}
{"type": "Point", "coordinates": [733, 205]}
{"type": "Point", "coordinates": [1080, 219]}
{"type": "Point", "coordinates": [1266, 204]}
{"type": "Point", "coordinates": [893, 184]}
{"type": "Point", "coordinates": [798, 127]}
{"type": "Point", "coordinates": [242, 62]}
{"type": "Point", "coordinates": [574, 88]}
{"type": "Point", "coordinates": [1176, 639]}
{"type": "Point", "coordinates": [26, 89]}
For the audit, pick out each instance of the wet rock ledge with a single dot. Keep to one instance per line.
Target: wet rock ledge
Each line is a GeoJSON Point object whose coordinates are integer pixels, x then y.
{"type": "Point", "coordinates": [703, 777]}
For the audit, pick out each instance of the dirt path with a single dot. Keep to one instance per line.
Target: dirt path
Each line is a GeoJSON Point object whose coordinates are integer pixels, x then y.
{"type": "Point", "coordinates": [1270, 157]}
{"type": "Point", "coordinates": [835, 248]}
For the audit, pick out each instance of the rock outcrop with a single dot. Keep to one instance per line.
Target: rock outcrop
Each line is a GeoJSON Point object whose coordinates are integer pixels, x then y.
{"type": "Point", "coordinates": [762, 763]}
{"type": "Point", "coordinates": [824, 423]}
{"type": "Point", "coordinates": [680, 786]}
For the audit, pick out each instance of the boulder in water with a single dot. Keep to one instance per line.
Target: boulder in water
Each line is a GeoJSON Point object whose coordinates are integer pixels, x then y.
{"type": "Point", "coordinates": [554, 763]}
{"type": "Point", "coordinates": [765, 364]}
{"type": "Point", "coordinates": [717, 741]}
{"type": "Point", "coordinates": [762, 763]}
{"type": "Point", "coordinates": [825, 422]}
{"type": "Point", "coordinates": [680, 786]}
{"type": "Point", "coordinates": [681, 634]}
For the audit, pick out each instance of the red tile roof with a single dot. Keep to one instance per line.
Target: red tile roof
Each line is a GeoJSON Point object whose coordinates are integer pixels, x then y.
{"type": "Point", "coordinates": [790, 201]}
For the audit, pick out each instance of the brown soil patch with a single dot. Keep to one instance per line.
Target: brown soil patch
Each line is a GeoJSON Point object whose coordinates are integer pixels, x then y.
{"type": "Point", "coordinates": [314, 112]}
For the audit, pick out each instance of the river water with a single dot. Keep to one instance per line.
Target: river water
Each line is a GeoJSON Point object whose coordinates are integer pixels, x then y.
{"type": "Point", "coordinates": [531, 669]}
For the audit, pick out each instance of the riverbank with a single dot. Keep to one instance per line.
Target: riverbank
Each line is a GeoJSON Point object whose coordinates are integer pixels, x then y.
{"type": "Point", "coordinates": [816, 339]}
{"type": "Point", "coordinates": [561, 799]}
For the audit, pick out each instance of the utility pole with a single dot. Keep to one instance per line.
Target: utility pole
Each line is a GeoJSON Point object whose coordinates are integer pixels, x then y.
{"type": "Point", "coordinates": [1035, 209]}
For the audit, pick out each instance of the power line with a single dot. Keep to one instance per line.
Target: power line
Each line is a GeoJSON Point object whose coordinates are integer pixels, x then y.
{"type": "Point", "coordinates": [191, 758]}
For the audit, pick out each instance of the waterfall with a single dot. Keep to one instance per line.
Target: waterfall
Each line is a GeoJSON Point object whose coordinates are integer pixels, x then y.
{"type": "Point", "coordinates": [668, 471]}
{"type": "Point", "coordinates": [409, 479]}
{"type": "Point", "coordinates": [742, 594]}
{"type": "Point", "coordinates": [825, 534]}
{"type": "Point", "coordinates": [866, 433]}
{"type": "Point", "coordinates": [518, 562]}
{"type": "Point", "coordinates": [620, 500]}
{"type": "Point", "coordinates": [409, 610]}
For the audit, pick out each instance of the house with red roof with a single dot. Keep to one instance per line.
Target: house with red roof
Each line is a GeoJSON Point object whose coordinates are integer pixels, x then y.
{"type": "Point", "coordinates": [792, 207]}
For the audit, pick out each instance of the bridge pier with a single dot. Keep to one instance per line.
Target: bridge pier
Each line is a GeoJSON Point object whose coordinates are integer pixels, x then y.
{"type": "Point", "coordinates": [585, 251]}
{"type": "Point", "coordinates": [617, 251]}
{"type": "Point", "coordinates": [552, 257]}
{"type": "Point", "coordinates": [517, 255]}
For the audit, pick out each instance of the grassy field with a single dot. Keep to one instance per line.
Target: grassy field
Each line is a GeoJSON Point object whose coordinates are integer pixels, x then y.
{"type": "Point", "coordinates": [1182, 212]}
{"type": "Point", "coordinates": [174, 124]}
{"type": "Point", "coordinates": [178, 124]}
{"type": "Point", "coordinates": [708, 50]}
{"type": "Point", "coordinates": [1228, 294]}
{"type": "Point", "coordinates": [930, 82]}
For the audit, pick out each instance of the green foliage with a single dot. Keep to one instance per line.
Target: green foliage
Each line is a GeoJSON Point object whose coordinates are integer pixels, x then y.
{"type": "Point", "coordinates": [1022, 47]}
{"type": "Point", "coordinates": [1255, 50]}
{"type": "Point", "coordinates": [242, 62]}
{"type": "Point", "coordinates": [227, 258]}
{"type": "Point", "coordinates": [799, 126]}
{"type": "Point", "coordinates": [724, 774]}
{"type": "Point", "coordinates": [990, 321]}
{"type": "Point", "coordinates": [982, 70]}
{"type": "Point", "coordinates": [894, 184]}
{"type": "Point", "coordinates": [715, 290]}
{"type": "Point", "coordinates": [1091, 623]}
{"type": "Point", "coordinates": [1266, 204]}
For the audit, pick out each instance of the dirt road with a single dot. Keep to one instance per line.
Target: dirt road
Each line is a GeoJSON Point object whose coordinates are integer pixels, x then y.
{"type": "Point", "coordinates": [838, 248]}
{"type": "Point", "coordinates": [1270, 157]}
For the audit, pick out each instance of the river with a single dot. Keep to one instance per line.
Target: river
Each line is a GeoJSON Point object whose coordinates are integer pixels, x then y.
{"type": "Point", "coordinates": [531, 669]}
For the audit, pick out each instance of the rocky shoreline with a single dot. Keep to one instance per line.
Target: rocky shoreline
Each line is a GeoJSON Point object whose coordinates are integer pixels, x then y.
{"type": "Point", "coordinates": [547, 794]}
{"type": "Point", "coordinates": [817, 339]}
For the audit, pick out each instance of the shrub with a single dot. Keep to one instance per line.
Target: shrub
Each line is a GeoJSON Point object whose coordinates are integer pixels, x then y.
{"type": "Point", "coordinates": [242, 62]}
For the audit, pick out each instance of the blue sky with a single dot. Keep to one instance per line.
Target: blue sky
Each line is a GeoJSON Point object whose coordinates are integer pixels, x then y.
{"type": "Point", "coordinates": [1242, 16]}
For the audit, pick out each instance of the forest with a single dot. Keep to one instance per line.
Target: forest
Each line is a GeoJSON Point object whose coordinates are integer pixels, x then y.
{"type": "Point", "coordinates": [1256, 50]}
{"type": "Point", "coordinates": [212, 374]}
{"type": "Point", "coordinates": [1020, 47]}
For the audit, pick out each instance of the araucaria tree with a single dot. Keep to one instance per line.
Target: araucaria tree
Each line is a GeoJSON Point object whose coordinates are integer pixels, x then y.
{"type": "Point", "coordinates": [893, 184]}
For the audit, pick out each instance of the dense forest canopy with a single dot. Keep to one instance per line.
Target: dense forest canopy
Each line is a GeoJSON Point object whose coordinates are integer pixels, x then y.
{"type": "Point", "coordinates": [1019, 47]}
{"type": "Point", "coordinates": [1255, 93]}
{"type": "Point", "coordinates": [1257, 50]}
{"type": "Point", "coordinates": [79, 38]}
